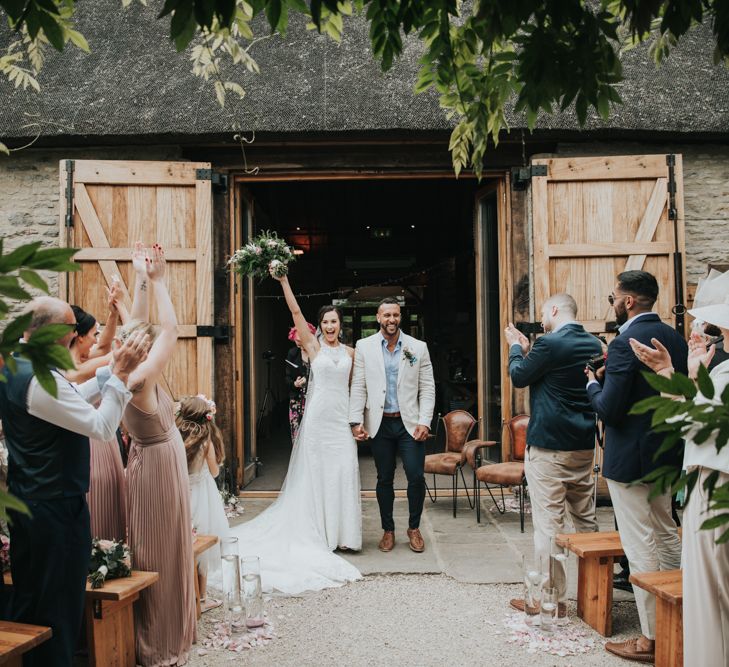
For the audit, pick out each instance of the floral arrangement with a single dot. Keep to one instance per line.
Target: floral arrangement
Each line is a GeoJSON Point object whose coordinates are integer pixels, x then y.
{"type": "Point", "coordinates": [266, 252]}
{"type": "Point", "coordinates": [212, 409]}
{"type": "Point", "coordinates": [409, 355]}
{"type": "Point", "coordinates": [232, 504]}
{"type": "Point", "coordinates": [4, 552]}
{"type": "Point", "coordinates": [109, 560]}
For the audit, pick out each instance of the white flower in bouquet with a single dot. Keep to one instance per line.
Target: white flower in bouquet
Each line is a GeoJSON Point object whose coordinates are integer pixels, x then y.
{"type": "Point", "coordinates": [261, 254]}
{"type": "Point", "coordinates": [103, 570]}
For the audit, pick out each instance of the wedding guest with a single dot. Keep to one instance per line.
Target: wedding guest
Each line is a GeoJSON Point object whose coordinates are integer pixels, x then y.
{"type": "Point", "coordinates": [297, 375]}
{"type": "Point", "coordinates": [48, 444]}
{"type": "Point", "coordinates": [158, 490]}
{"type": "Point", "coordinates": [561, 433]}
{"type": "Point", "coordinates": [205, 452]}
{"type": "Point", "coordinates": [705, 563]}
{"type": "Point", "coordinates": [107, 486]}
{"type": "Point", "coordinates": [647, 530]}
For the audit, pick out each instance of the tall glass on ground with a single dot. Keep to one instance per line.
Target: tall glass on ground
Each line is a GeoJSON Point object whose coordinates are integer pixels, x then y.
{"type": "Point", "coordinates": [535, 577]}
{"type": "Point", "coordinates": [252, 592]}
{"type": "Point", "coordinates": [559, 557]}
{"type": "Point", "coordinates": [234, 612]}
{"type": "Point", "coordinates": [548, 609]}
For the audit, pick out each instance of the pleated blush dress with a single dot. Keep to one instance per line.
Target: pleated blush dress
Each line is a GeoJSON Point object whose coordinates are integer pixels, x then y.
{"type": "Point", "coordinates": [107, 492]}
{"type": "Point", "coordinates": [160, 535]}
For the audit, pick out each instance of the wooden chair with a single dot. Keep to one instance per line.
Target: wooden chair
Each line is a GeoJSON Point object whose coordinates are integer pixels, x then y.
{"type": "Point", "coordinates": [457, 425]}
{"type": "Point", "coordinates": [667, 586]}
{"type": "Point", "coordinates": [503, 475]}
{"type": "Point", "coordinates": [19, 638]}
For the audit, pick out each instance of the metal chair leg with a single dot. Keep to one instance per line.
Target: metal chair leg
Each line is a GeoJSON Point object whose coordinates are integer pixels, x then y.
{"type": "Point", "coordinates": [501, 509]}
{"type": "Point", "coordinates": [455, 493]}
{"type": "Point", "coordinates": [522, 493]}
{"type": "Point", "coordinates": [465, 487]}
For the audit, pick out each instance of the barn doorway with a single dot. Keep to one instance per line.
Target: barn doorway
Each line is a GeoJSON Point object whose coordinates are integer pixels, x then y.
{"type": "Point", "coordinates": [430, 243]}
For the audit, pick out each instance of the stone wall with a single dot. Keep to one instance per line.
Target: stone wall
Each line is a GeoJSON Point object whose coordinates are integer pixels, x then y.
{"type": "Point", "coordinates": [29, 191]}
{"type": "Point", "coordinates": [706, 195]}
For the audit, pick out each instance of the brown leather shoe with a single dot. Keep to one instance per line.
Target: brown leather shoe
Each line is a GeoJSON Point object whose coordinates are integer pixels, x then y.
{"type": "Point", "coordinates": [388, 541]}
{"type": "Point", "coordinates": [417, 544]}
{"type": "Point", "coordinates": [519, 605]}
{"type": "Point", "coordinates": [630, 651]}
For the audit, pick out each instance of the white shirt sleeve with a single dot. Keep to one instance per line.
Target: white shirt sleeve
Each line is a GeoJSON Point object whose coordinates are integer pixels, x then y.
{"type": "Point", "coordinates": [71, 410]}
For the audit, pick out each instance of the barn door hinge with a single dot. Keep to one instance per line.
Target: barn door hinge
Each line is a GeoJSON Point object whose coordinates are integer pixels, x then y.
{"type": "Point", "coordinates": [521, 176]}
{"type": "Point", "coordinates": [679, 310]}
{"type": "Point", "coordinates": [69, 193]}
{"type": "Point", "coordinates": [671, 162]}
{"type": "Point", "coordinates": [219, 181]}
{"type": "Point", "coordinates": [221, 332]}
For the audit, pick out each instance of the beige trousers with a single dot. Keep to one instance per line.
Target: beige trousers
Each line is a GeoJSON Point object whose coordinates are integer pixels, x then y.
{"type": "Point", "coordinates": [705, 583]}
{"type": "Point", "coordinates": [559, 481]}
{"type": "Point", "coordinates": [650, 540]}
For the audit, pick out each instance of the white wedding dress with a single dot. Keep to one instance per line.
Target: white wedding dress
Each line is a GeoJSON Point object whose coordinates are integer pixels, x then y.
{"type": "Point", "coordinates": [319, 507]}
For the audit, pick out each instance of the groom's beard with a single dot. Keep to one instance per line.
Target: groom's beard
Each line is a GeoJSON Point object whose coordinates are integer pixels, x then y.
{"type": "Point", "coordinates": [385, 329]}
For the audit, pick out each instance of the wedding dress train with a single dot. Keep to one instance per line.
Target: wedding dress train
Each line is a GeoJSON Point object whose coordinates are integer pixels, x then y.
{"type": "Point", "coordinates": [319, 507]}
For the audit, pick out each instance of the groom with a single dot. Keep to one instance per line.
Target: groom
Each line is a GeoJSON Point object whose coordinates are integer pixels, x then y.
{"type": "Point", "coordinates": [392, 399]}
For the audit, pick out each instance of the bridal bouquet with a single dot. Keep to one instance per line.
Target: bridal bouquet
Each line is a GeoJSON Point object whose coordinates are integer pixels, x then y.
{"type": "Point", "coordinates": [261, 254]}
{"type": "Point", "coordinates": [109, 560]}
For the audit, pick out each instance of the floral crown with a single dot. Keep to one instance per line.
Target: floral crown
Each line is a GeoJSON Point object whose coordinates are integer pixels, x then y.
{"type": "Point", "coordinates": [209, 414]}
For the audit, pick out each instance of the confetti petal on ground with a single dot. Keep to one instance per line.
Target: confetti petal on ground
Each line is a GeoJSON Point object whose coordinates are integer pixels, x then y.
{"type": "Point", "coordinates": [567, 639]}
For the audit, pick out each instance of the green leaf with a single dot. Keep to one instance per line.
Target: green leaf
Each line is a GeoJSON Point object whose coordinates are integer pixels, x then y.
{"type": "Point", "coordinates": [648, 404]}
{"type": "Point", "coordinates": [715, 522]}
{"type": "Point", "coordinates": [706, 385]}
{"type": "Point", "coordinates": [18, 257]}
{"type": "Point", "coordinates": [52, 29]}
{"type": "Point", "coordinates": [9, 287]}
{"type": "Point", "coordinates": [46, 379]}
{"type": "Point", "coordinates": [33, 279]}
{"type": "Point", "coordinates": [273, 13]}
{"type": "Point", "coordinates": [78, 40]}
{"type": "Point", "coordinates": [48, 334]}
{"type": "Point", "coordinates": [53, 259]}
{"type": "Point", "coordinates": [169, 7]}
{"type": "Point", "coordinates": [17, 328]}
{"type": "Point", "coordinates": [10, 502]}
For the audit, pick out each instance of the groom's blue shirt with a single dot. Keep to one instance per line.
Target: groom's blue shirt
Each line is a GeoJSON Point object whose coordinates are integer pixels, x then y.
{"type": "Point", "coordinates": [392, 364]}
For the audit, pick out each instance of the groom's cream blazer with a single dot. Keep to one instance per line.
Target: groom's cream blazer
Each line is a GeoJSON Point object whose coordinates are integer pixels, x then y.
{"type": "Point", "coordinates": [415, 384]}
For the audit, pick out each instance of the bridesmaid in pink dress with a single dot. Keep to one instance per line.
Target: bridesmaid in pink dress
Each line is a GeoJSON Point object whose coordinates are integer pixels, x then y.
{"type": "Point", "coordinates": [107, 487]}
{"type": "Point", "coordinates": [158, 493]}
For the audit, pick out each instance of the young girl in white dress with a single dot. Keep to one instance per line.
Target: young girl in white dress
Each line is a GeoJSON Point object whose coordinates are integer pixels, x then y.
{"type": "Point", "coordinates": [204, 448]}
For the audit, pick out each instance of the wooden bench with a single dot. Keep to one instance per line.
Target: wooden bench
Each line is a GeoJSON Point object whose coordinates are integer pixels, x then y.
{"type": "Point", "coordinates": [200, 544]}
{"type": "Point", "coordinates": [596, 553]}
{"type": "Point", "coordinates": [19, 638]}
{"type": "Point", "coordinates": [110, 618]}
{"type": "Point", "coordinates": [667, 586]}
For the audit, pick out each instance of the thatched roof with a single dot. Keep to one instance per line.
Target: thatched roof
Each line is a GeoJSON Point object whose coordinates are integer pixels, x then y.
{"type": "Point", "coordinates": [135, 84]}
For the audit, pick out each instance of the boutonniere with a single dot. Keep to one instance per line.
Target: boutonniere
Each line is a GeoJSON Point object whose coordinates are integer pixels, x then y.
{"type": "Point", "coordinates": [408, 354]}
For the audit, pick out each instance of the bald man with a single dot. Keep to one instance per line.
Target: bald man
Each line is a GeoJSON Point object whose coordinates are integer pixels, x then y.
{"type": "Point", "coordinates": [561, 432]}
{"type": "Point", "coordinates": [48, 446]}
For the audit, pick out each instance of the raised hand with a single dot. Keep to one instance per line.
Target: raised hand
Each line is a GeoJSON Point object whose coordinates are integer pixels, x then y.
{"type": "Point", "coordinates": [139, 258]}
{"type": "Point", "coordinates": [113, 295]}
{"type": "Point", "coordinates": [156, 264]}
{"type": "Point", "coordinates": [515, 337]}
{"type": "Point", "coordinates": [127, 356]}
{"type": "Point", "coordinates": [698, 354]}
{"type": "Point", "coordinates": [656, 358]}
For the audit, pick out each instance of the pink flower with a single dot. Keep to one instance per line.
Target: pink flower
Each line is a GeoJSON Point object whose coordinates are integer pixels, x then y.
{"type": "Point", "coordinates": [106, 545]}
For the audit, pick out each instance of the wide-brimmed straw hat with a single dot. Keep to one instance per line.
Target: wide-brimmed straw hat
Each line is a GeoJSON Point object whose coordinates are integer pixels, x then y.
{"type": "Point", "coordinates": [711, 303]}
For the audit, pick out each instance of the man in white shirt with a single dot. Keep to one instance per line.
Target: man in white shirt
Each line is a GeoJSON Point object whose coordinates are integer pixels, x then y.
{"type": "Point", "coordinates": [48, 446]}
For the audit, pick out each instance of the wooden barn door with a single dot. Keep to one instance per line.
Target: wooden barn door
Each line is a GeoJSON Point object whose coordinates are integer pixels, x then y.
{"type": "Point", "coordinates": [106, 206]}
{"type": "Point", "coordinates": [594, 217]}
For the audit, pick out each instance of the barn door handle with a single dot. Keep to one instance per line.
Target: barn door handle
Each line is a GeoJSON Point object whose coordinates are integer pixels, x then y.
{"type": "Point", "coordinates": [221, 332]}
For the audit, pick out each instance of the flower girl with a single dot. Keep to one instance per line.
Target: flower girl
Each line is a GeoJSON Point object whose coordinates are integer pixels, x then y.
{"type": "Point", "coordinates": [204, 448]}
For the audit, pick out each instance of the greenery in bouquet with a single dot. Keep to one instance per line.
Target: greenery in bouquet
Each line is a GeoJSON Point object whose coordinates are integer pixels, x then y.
{"type": "Point", "coordinates": [266, 252]}
{"type": "Point", "coordinates": [109, 560]}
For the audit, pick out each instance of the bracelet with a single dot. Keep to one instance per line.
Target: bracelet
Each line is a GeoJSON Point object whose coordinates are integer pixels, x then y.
{"type": "Point", "coordinates": [670, 369]}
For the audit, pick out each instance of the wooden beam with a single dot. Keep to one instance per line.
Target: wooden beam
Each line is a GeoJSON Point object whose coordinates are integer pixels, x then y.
{"type": "Point", "coordinates": [118, 172]}
{"type": "Point", "coordinates": [125, 254]}
{"type": "Point", "coordinates": [608, 249]}
{"type": "Point", "coordinates": [606, 168]}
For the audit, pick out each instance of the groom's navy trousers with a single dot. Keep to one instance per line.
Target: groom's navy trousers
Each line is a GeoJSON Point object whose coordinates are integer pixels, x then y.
{"type": "Point", "coordinates": [393, 438]}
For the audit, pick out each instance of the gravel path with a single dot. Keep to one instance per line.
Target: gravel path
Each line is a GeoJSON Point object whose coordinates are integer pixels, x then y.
{"type": "Point", "coordinates": [414, 619]}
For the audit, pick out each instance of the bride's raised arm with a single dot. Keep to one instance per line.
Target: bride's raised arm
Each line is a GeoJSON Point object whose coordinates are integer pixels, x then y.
{"type": "Point", "coordinates": [309, 343]}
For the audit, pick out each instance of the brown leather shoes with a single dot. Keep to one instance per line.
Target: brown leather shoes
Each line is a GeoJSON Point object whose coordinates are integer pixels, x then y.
{"type": "Point", "coordinates": [387, 542]}
{"type": "Point", "coordinates": [519, 605]}
{"type": "Point", "coordinates": [417, 544]}
{"type": "Point", "coordinates": [630, 651]}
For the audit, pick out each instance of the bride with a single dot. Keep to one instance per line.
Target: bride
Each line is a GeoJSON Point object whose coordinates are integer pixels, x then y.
{"type": "Point", "coordinates": [319, 507]}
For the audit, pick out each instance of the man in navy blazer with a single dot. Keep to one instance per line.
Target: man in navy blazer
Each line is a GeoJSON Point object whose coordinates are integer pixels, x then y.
{"type": "Point", "coordinates": [561, 432]}
{"type": "Point", "coordinates": [647, 530]}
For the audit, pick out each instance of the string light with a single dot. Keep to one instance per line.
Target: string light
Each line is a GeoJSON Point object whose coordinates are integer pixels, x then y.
{"type": "Point", "coordinates": [355, 290]}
